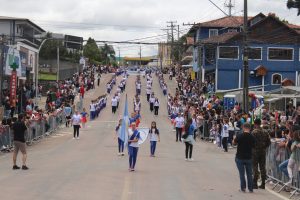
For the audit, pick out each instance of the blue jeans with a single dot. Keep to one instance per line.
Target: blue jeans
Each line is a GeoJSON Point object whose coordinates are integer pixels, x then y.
{"type": "Point", "coordinates": [132, 156]}
{"type": "Point", "coordinates": [92, 115]}
{"type": "Point", "coordinates": [245, 165]}
{"type": "Point", "coordinates": [283, 167]}
{"type": "Point", "coordinates": [7, 113]}
{"type": "Point", "coordinates": [152, 147]}
{"type": "Point", "coordinates": [121, 145]}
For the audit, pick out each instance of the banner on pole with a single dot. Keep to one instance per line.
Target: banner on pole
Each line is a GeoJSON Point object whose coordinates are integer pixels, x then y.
{"type": "Point", "coordinates": [13, 87]}
{"type": "Point", "coordinates": [13, 56]}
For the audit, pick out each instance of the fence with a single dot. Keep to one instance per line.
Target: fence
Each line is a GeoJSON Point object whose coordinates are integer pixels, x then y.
{"type": "Point", "coordinates": [37, 129]}
{"type": "Point", "coordinates": [276, 164]}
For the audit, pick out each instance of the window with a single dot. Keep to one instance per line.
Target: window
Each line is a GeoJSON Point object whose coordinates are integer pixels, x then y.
{"type": "Point", "coordinates": [213, 32]}
{"type": "Point", "coordinates": [210, 55]}
{"type": "Point", "coordinates": [280, 54]}
{"type": "Point", "coordinates": [255, 53]}
{"type": "Point", "coordinates": [228, 53]}
{"type": "Point", "coordinates": [276, 79]}
{"type": "Point", "coordinates": [232, 30]}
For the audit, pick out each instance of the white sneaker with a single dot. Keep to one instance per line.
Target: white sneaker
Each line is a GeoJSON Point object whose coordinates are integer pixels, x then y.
{"type": "Point", "coordinates": [74, 138]}
{"type": "Point", "coordinates": [77, 138]}
{"type": "Point", "coordinates": [186, 159]}
{"type": "Point", "coordinates": [191, 159]}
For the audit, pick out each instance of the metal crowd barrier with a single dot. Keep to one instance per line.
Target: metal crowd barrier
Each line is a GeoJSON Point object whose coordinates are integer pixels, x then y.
{"type": "Point", "coordinates": [275, 156]}
{"type": "Point", "coordinates": [37, 129]}
{"type": "Point", "coordinates": [6, 143]}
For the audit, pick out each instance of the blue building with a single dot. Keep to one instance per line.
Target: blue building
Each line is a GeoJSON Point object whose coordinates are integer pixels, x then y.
{"type": "Point", "coordinates": [274, 58]}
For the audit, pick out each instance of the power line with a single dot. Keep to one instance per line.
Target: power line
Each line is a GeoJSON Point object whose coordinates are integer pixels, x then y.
{"type": "Point", "coordinates": [96, 24]}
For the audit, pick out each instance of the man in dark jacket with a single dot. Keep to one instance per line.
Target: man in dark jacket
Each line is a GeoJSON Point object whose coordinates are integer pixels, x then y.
{"type": "Point", "coordinates": [19, 129]}
{"type": "Point", "coordinates": [262, 142]}
{"type": "Point", "coordinates": [245, 143]}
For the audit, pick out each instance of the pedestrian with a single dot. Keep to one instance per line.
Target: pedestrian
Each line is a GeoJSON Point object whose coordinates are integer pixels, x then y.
{"type": "Point", "coordinates": [288, 144]}
{"type": "Point", "coordinates": [154, 138]}
{"type": "Point", "coordinates": [152, 100]}
{"type": "Point", "coordinates": [179, 124]}
{"type": "Point", "coordinates": [114, 104]}
{"type": "Point", "coordinates": [108, 88]}
{"type": "Point", "coordinates": [19, 129]}
{"type": "Point", "coordinates": [225, 134]}
{"type": "Point", "coordinates": [133, 147]}
{"type": "Point", "coordinates": [84, 116]}
{"type": "Point", "coordinates": [156, 106]}
{"type": "Point", "coordinates": [75, 122]}
{"type": "Point", "coordinates": [262, 142]}
{"type": "Point", "coordinates": [148, 92]}
{"type": "Point", "coordinates": [81, 91]}
{"type": "Point", "coordinates": [98, 79]}
{"type": "Point", "coordinates": [120, 141]}
{"type": "Point", "coordinates": [292, 165]}
{"type": "Point", "coordinates": [245, 143]}
{"type": "Point", "coordinates": [138, 88]}
{"type": "Point", "coordinates": [68, 113]}
{"type": "Point", "coordinates": [137, 105]}
{"type": "Point", "coordinates": [189, 139]}
{"type": "Point", "coordinates": [92, 110]}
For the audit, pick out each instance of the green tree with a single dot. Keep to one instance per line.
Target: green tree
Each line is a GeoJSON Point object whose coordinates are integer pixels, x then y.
{"type": "Point", "coordinates": [49, 50]}
{"type": "Point", "coordinates": [91, 50]}
{"type": "Point", "coordinates": [294, 4]}
{"type": "Point", "coordinates": [107, 53]}
{"type": "Point", "coordinates": [179, 48]}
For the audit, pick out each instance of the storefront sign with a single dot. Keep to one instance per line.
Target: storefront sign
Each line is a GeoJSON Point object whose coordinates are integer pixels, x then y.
{"type": "Point", "coordinates": [13, 87]}
{"type": "Point", "coordinates": [13, 56]}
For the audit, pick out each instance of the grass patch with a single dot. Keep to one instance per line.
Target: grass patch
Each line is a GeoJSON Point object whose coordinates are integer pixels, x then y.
{"type": "Point", "coordinates": [47, 77]}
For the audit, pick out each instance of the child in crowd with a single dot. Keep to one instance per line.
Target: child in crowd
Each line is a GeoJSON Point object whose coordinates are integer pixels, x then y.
{"type": "Point", "coordinates": [84, 116]}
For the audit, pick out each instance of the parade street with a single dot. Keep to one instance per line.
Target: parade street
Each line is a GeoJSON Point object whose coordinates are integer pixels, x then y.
{"type": "Point", "coordinates": [62, 168]}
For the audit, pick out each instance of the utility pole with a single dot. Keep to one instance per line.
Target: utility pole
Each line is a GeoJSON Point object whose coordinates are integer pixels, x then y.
{"type": "Point", "coordinates": [1, 69]}
{"type": "Point", "coordinates": [58, 68]}
{"type": "Point", "coordinates": [140, 56]}
{"type": "Point", "coordinates": [119, 56]}
{"type": "Point", "coordinates": [163, 47]}
{"type": "Point", "coordinates": [172, 26]}
{"type": "Point", "coordinates": [229, 5]}
{"type": "Point", "coordinates": [197, 46]}
{"type": "Point", "coordinates": [178, 36]}
{"type": "Point", "coordinates": [246, 63]}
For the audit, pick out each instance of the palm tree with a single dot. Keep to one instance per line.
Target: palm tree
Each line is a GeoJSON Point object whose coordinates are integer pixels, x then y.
{"type": "Point", "coordinates": [107, 53]}
{"type": "Point", "coordinates": [294, 4]}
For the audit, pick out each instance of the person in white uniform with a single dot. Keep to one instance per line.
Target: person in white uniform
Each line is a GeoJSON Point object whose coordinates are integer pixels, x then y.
{"type": "Point", "coordinates": [114, 104]}
{"type": "Point", "coordinates": [154, 138]}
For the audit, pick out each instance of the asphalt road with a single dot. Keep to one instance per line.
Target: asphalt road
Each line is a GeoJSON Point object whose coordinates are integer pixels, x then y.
{"type": "Point", "coordinates": [65, 169]}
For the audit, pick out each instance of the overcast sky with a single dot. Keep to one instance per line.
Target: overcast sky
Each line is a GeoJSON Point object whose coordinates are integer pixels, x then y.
{"type": "Point", "coordinates": [121, 20]}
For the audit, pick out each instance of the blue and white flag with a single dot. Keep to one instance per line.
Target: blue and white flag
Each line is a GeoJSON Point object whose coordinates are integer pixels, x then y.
{"type": "Point", "coordinates": [125, 123]}
{"type": "Point", "coordinates": [143, 134]}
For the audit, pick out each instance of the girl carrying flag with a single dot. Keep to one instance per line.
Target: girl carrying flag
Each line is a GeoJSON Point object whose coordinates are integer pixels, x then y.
{"type": "Point", "coordinates": [120, 142]}
{"type": "Point", "coordinates": [133, 147]}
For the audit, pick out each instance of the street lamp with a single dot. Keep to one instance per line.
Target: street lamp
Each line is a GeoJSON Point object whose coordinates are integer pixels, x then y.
{"type": "Point", "coordinates": [44, 38]}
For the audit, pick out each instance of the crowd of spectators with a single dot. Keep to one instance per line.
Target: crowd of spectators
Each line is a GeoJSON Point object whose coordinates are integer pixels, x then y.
{"type": "Point", "coordinates": [199, 102]}
{"type": "Point", "coordinates": [60, 96]}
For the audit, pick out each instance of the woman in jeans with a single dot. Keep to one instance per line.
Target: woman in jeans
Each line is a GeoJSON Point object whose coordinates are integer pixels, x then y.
{"type": "Point", "coordinates": [189, 141]}
{"type": "Point", "coordinates": [154, 138]}
{"type": "Point", "coordinates": [292, 167]}
{"type": "Point", "coordinates": [75, 121]}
